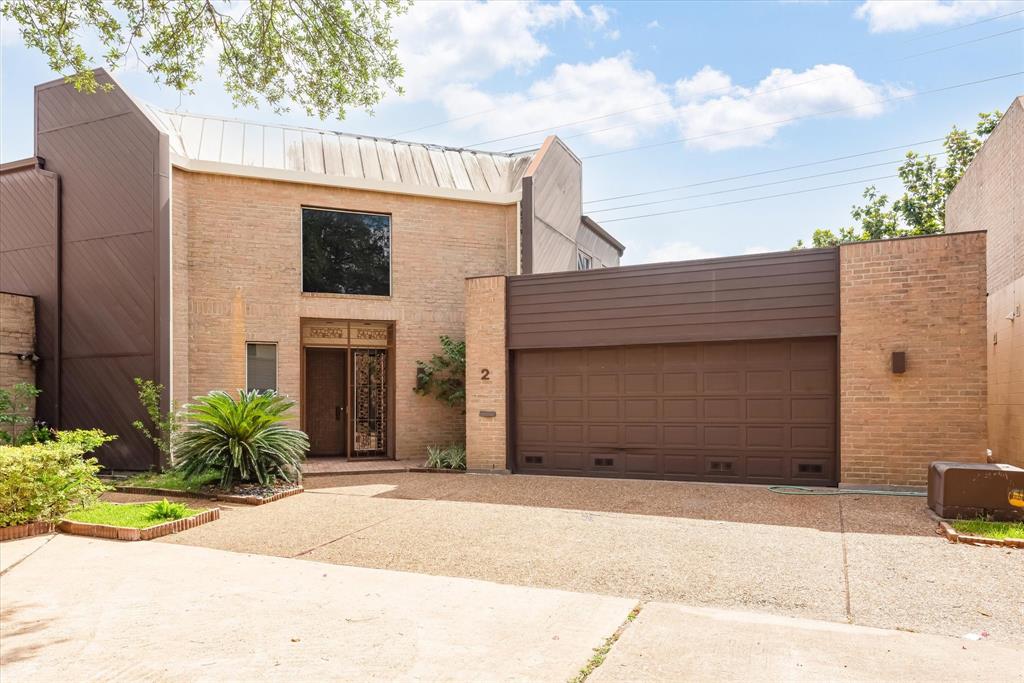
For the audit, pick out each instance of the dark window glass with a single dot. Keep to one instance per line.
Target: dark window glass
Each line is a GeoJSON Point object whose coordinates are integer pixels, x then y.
{"type": "Point", "coordinates": [261, 366]}
{"type": "Point", "coordinates": [346, 253]}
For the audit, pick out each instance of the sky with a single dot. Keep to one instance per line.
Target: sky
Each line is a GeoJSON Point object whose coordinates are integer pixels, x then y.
{"type": "Point", "coordinates": [694, 100]}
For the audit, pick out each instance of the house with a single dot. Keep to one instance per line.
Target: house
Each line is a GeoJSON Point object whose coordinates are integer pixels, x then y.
{"type": "Point", "coordinates": [209, 253]}
{"type": "Point", "coordinates": [990, 197]}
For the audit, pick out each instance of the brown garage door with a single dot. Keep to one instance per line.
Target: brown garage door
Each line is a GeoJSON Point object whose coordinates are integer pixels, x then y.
{"type": "Point", "coordinates": [753, 411]}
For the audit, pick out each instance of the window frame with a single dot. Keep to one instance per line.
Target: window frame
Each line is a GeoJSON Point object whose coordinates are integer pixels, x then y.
{"type": "Point", "coordinates": [589, 259]}
{"type": "Point", "coordinates": [391, 252]}
{"type": "Point", "coordinates": [277, 363]}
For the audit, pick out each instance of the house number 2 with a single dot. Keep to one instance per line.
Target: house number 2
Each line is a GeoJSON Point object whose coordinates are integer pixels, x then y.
{"type": "Point", "coordinates": [485, 374]}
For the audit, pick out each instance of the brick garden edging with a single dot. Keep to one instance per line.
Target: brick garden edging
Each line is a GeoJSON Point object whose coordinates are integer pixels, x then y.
{"type": "Point", "coordinates": [129, 534]}
{"type": "Point", "coordinates": [167, 493]}
{"type": "Point", "coordinates": [954, 536]}
{"type": "Point", "coordinates": [9, 533]}
{"type": "Point", "coordinates": [223, 497]}
{"type": "Point", "coordinates": [257, 500]}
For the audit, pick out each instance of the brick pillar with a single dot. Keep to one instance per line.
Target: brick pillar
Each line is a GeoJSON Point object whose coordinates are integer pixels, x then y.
{"type": "Point", "coordinates": [486, 375]}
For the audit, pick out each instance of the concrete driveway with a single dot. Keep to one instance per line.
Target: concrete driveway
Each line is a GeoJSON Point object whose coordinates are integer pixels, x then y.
{"type": "Point", "coordinates": [78, 609]}
{"type": "Point", "coordinates": [854, 559]}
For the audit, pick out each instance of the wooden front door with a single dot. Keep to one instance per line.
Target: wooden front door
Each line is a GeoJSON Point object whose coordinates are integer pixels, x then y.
{"type": "Point", "coordinates": [326, 415]}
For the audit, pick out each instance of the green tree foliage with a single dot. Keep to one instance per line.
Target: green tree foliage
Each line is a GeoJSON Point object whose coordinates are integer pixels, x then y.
{"type": "Point", "coordinates": [323, 55]}
{"type": "Point", "coordinates": [921, 210]}
{"type": "Point", "coordinates": [244, 440]}
{"type": "Point", "coordinates": [444, 375]}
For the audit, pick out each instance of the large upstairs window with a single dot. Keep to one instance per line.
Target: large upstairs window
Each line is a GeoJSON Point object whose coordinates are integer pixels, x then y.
{"type": "Point", "coordinates": [345, 252]}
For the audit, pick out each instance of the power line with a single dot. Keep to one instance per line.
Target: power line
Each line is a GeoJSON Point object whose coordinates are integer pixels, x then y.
{"type": "Point", "coordinates": [966, 42]}
{"type": "Point", "coordinates": [749, 187]}
{"type": "Point", "coordinates": [963, 26]}
{"type": "Point", "coordinates": [801, 117]}
{"type": "Point", "coordinates": [765, 172]}
{"type": "Point", "coordinates": [744, 201]}
{"type": "Point", "coordinates": [631, 124]}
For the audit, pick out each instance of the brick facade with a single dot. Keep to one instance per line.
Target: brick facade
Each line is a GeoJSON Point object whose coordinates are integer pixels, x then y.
{"type": "Point", "coordinates": [925, 297]}
{"type": "Point", "coordinates": [17, 335]}
{"type": "Point", "coordinates": [237, 277]}
{"type": "Point", "coordinates": [486, 374]}
{"type": "Point", "coordinates": [989, 198]}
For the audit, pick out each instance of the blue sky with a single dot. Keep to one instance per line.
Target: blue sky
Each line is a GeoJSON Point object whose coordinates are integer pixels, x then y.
{"type": "Point", "coordinates": [611, 76]}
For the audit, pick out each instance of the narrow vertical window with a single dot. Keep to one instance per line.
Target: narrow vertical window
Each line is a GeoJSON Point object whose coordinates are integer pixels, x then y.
{"type": "Point", "coordinates": [261, 366]}
{"type": "Point", "coordinates": [584, 261]}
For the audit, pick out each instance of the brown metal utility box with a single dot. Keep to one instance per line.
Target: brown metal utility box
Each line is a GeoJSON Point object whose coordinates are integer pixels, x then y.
{"type": "Point", "coordinates": [958, 490]}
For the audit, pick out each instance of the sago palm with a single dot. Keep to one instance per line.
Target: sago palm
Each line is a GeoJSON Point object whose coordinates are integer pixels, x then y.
{"type": "Point", "coordinates": [243, 439]}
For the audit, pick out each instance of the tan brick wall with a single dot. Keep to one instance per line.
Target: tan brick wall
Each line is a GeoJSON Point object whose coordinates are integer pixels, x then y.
{"type": "Point", "coordinates": [17, 335]}
{"type": "Point", "coordinates": [486, 437]}
{"type": "Point", "coordinates": [989, 197]}
{"type": "Point", "coordinates": [244, 282]}
{"type": "Point", "coordinates": [926, 297]}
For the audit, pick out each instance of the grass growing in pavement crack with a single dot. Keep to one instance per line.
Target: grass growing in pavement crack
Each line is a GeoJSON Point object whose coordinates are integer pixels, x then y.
{"type": "Point", "coordinates": [601, 652]}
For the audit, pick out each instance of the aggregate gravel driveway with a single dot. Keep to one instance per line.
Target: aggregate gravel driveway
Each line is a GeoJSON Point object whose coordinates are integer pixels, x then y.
{"type": "Point", "coordinates": [853, 558]}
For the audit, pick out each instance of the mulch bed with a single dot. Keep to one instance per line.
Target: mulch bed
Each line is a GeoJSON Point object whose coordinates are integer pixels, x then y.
{"type": "Point", "coordinates": [246, 494]}
{"type": "Point", "coordinates": [954, 536]}
{"type": "Point", "coordinates": [121, 533]}
{"type": "Point", "coordinates": [9, 533]}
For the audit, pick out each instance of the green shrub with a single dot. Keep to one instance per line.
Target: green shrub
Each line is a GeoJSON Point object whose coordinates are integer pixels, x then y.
{"type": "Point", "coordinates": [166, 511]}
{"type": "Point", "coordinates": [16, 410]}
{"type": "Point", "coordinates": [444, 375]}
{"type": "Point", "coordinates": [43, 481]}
{"type": "Point", "coordinates": [451, 457]}
{"type": "Point", "coordinates": [242, 439]}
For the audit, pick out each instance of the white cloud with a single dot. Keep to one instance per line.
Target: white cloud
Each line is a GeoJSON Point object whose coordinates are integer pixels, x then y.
{"type": "Point", "coordinates": [573, 92]}
{"type": "Point", "coordinates": [707, 81]}
{"type": "Point", "coordinates": [907, 15]}
{"type": "Point", "coordinates": [599, 14]}
{"type": "Point", "coordinates": [440, 42]}
{"type": "Point", "coordinates": [678, 251]}
{"type": "Point", "coordinates": [653, 24]}
{"type": "Point", "coordinates": [782, 95]}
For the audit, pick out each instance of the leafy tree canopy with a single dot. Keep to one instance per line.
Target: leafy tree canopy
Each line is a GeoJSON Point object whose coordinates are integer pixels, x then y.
{"type": "Point", "coordinates": [322, 55]}
{"type": "Point", "coordinates": [922, 207]}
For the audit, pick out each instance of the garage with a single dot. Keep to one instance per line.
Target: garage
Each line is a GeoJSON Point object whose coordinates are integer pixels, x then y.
{"type": "Point", "coordinates": [719, 370]}
{"type": "Point", "coordinates": [749, 411]}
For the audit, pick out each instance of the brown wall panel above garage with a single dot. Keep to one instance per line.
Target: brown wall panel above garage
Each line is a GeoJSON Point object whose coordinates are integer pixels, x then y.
{"type": "Point", "coordinates": [762, 296]}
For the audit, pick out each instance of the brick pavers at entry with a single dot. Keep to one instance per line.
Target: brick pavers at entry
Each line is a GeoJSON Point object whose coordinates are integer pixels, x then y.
{"type": "Point", "coordinates": [853, 558]}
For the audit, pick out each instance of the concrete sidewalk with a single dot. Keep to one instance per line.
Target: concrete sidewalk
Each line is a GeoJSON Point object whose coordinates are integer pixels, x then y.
{"type": "Point", "coordinates": [82, 609]}
{"type": "Point", "coordinates": [78, 609]}
{"type": "Point", "coordinates": [677, 643]}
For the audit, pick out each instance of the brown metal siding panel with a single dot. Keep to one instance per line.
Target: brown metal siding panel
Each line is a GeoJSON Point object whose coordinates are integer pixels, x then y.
{"type": "Point", "coordinates": [115, 239]}
{"type": "Point", "coordinates": [749, 411]}
{"type": "Point", "coordinates": [788, 294]}
{"type": "Point", "coordinates": [29, 253]}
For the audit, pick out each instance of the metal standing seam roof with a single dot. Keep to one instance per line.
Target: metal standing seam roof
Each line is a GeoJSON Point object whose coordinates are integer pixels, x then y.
{"type": "Point", "coordinates": [308, 150]}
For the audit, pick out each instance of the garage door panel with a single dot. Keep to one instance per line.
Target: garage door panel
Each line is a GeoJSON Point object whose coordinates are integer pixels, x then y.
{"type": "Point", "coordinates": [680, 408]}
{"type": "Point", "coordinates": [681, 435]}
{"type": "Point", "coordinates": [603, 435]}
{"type": "Point", "coordinates": [755, 411]}
{"type": "Point", "coordinates": [723, 409]}
{"type": "Point", "coordinates": [768, 436]}
{"type": "Point", "coordinates": [598, 385]}
{"type": "Point", "coordinates": [680, 382]}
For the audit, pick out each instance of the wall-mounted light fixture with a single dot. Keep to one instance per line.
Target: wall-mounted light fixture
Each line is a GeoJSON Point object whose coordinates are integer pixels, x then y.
{"type": "Point", "coordinates": [899, 362]}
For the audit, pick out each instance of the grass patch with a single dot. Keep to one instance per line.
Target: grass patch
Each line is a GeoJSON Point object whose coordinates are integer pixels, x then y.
{"type": "Point", "coordinates": [980, 527]}
{"type": "Point", "coordinates": [133, 515]}
{"type": "Point", "coordinates": [600, 653]}
{"type": "Point", "coordinates": [174, 481]}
